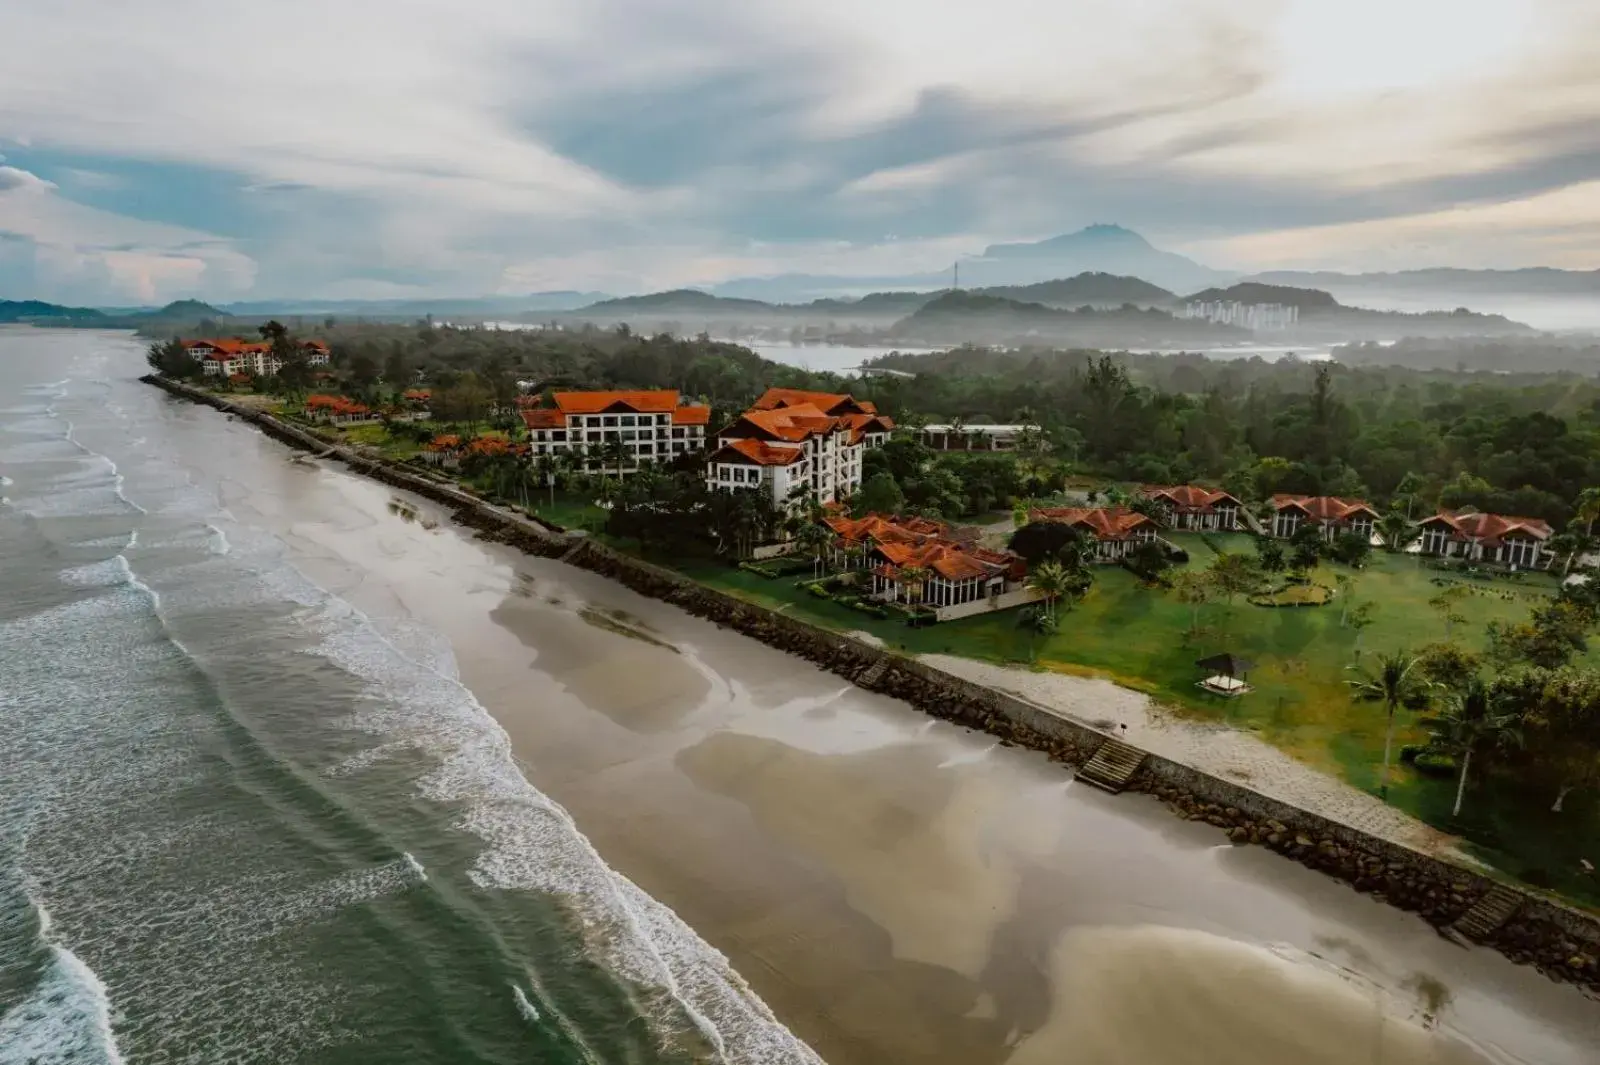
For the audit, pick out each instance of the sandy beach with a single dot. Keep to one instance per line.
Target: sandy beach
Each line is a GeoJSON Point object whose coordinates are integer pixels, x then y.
{"type": "Point", "coordinates": [895, 888]}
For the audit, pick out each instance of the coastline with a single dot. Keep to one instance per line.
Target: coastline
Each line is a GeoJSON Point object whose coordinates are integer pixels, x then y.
{"type": "Point", "coordinates": [1556, 938]}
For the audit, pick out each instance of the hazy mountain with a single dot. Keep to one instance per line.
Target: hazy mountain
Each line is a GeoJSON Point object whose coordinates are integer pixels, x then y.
{"type": "Point", "coordinates": [186, 310]}
{"type": "Point", "coordinates": [959, 317]}
{"type": "Point", "coordinates": [481, 308]}
{"type": "Point", "coordinates": [1544, 297]}
{"type": "Point", "coordinates": [1095, 289]}
{"type": "Point", "coordinates": [1100, 249]}
{"type": "Point", "coordinates": [1307, 299]}
{"type": "Point", "coordinates": [1096, 249]}
{"type": "Point", "coordinates": [12, 311]}
{"type": "Point", "coordinates": [675, 300]}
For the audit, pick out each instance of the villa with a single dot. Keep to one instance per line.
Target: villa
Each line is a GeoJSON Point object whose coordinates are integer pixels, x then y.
{"type": "Point", "coordinates": [792, 443]}
{"type": "Point", "coordinates": [338, 410]}
{"type": "Point", "coordinates": [978, 437]}
{"type": "Point", "coordinates": [649, 426]}
{"type": "Point", "coordinates": [1521, 543]}
{"type": "Point", "coordinates": [1193, 507]}
{"type": "Point", "coordinates": [1114, 531]}
{"type": "Point", "coordinates": [1331, 515]}
{"type": "Point", "coordinates": [230, 356]}
{"type": "Point", "coordinates": [921, 562]}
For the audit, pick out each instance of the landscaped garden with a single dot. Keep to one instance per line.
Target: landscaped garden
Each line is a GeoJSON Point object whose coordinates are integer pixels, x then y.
{"type": "Point", "coordinates": [1144, 638]}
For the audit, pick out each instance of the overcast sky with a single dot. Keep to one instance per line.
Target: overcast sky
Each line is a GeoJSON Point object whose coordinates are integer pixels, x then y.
{"type": "Point", "coordinates": [370, 148]}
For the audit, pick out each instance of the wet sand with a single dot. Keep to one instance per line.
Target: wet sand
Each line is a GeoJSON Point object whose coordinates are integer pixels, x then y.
{"type": "Point", "coordinates": [896, 888]}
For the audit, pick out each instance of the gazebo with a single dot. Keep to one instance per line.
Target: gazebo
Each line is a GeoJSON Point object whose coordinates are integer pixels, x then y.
{"type": "Point", "coordinates": [1227, 674]}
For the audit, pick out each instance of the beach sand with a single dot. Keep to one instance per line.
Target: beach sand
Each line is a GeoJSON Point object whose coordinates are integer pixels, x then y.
{"type": "Point", "coordinates": [897, 889]}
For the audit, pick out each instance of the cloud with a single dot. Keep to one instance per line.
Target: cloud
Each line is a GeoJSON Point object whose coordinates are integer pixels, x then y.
{"type": "Point", "coordinates": [627, 144]}
{"type": "Point", "coordinates": [14, 180]}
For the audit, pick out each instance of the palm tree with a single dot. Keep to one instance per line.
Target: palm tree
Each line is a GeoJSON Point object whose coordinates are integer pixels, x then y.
{"type": "Point", "coordinates": [1470, 720]}
{"type": "Point", "coordinates": [1392, 527]}
{"type": "Point", "coordinates": [1049, 579]}
{"type": "Point", "coordinates": [813, 537]}
{"type": "Point", "coordinates": [1194, 588]}
{"type": "Point", "coordinates": [1587, 508]}
{"type": "Point", "coordinates": [913, 579]}
{"type": "Point", "coordinates": [1392, 684]}
{"type": "Point", "coordinates": [1571, 546]}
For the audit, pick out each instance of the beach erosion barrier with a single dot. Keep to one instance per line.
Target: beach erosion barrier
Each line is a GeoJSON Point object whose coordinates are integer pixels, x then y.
{"type": "Point", "coordinates": [1561, 940]}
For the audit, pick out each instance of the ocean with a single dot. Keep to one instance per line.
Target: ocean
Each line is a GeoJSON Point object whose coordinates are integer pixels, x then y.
{"type": "Point", "coordinates": [294, 771]}
{"type": "Point", "coordinates": [242, 821]}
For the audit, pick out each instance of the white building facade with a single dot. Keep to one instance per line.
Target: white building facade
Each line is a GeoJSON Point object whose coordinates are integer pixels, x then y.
{"type": "Point", "coordinates": [617, 432]}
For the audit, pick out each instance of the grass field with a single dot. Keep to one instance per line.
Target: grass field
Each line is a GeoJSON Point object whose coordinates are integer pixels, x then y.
{"type": "Point", "coordinates": [1141, 637]}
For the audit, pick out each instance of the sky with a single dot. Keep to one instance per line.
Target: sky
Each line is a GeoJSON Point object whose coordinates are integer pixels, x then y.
{"type": "Point", "coordinates": [391, 148]}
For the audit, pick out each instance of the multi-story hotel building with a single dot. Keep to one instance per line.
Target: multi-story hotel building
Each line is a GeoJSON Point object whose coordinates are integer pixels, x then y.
{"type": "Point", "coordinates": [793, 443]}
{"type": "Point", "coordinates": [650, 426]}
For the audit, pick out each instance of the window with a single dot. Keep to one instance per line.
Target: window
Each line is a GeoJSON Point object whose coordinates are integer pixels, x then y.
{"type": "Point", "coordinates": [627, 419]}
{"type": "Point", "coordinates": [610, 421]}
{"type": "Point", "coordinates": [594, 435]}
{"type": "Point", "coordinates": [558, 434]}
{"type": "Point", "coordinates": [594, 421]}
{"type": "Point", "coordinates": [677, 432]}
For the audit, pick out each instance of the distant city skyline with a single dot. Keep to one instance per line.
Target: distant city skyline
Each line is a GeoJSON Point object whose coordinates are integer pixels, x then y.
{"type": "Point", "coordinates": [231, 151]}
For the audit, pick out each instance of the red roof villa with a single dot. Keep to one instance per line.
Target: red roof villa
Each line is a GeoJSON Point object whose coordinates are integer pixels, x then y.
{"type": "Point", "coordinates": [1193, 507]}
{"type": "Point", "coordinates": [1115, 530]}
{"type": "Point", "coordinates": [1521, 543]}
{"type": "Point", "coordinates": [1332, 516]}
{"type": "Point", "coordinates": [918, 561]}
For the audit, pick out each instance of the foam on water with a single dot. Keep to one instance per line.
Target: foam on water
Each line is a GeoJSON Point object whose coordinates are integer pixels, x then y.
{"type": "Point", "coordinates": [67, 1018]}
{"type": "Point", "coordinates": [689, 988]}
{"type": "Point", "coordinates": [524, 1007]}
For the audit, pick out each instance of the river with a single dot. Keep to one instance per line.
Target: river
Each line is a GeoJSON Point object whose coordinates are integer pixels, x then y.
{"type": "Point", "coordinates": [291, 770]}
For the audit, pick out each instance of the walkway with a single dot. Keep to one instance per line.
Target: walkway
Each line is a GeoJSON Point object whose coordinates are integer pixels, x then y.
{"type": "Point", "coordinates": [1216, 749]}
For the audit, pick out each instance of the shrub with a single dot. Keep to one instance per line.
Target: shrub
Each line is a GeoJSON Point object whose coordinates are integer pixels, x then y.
{"type": "Point", "coordinates": [1409, 752]}
{"type": "Point", "coordinates": [1177, 555]}
{"type": "Point", "coordinates": [819, 591]}
{"type": "Point", "coordinates": [1435, 764]}
{"type": "Point", "coordinates": [758, 569]}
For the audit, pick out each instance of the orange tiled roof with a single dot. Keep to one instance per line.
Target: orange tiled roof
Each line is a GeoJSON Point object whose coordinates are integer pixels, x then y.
{"type": "Point", "coordinates": [691, 415]}
{"type": "Point", "coordinates": [543, 418]}
{"type": "Point", "coordinates": [924, 543]}
{"type": "Point", "coordinates": [447, 442]}
{"type": "Point", "coordinates": [314, 345]}
{"type": "Point", "coordinates": [1188, 497]}
{"type": "Point", "coordinates": [1491, 528]}
{"type": "Point", "coordinates": [1324, 508]}
{"type": "Point", "coordinates": [790, 423]}
{"type": "Point", "coordinates": [760, 453]}
{"type": "Point", "coordinates": [827, 402]}
{"type": "Point", "coordinates": [660, 401]}
{"type": "Point", "coordinates": [1106, 523]}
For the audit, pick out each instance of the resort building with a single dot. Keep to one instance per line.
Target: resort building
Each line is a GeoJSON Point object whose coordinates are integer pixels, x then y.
{"type": "Point", "coordinates": [617, 432]}
{"type": "Point", "coordinates": [978, 437]}
{"type": "Point", "coordinates": [925, 563]}
{"type": "Point", "coordinates": [1466, 534]}
{"type": "Point", "coordinates": [1331, 515]}
{"type": "Point", "coordinates": [1114, 531]}
{"type": "Point", "coordinates": [338, 410]}
{"type": "Point", "coordinates": [226, 357]}
{"type": "Point", "coordinates": [794, 444]}
{"type": "Point", "coordinates": [1193, 507]}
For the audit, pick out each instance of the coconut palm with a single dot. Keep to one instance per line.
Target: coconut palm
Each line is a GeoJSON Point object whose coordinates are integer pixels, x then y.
{"type": "Point", "coordinates": [913, 579]}
{"type": "Point", "coordinates": [1049, 579]}
{"type": "Point", "coordinates": [1469, 721]}
{"type": "Point", "coordinates": [1587, 508]}
{"type": "Point", "coordinates": [1395, 528]}
{"type": "Point", "coordinates": [1193, 588]}
{"type": "Point", "coordinates": [813, 538]}
{"type": "Point", "coordinates": [1571, 546]}
{"type": "Point", "coordinates": [1395, 681]}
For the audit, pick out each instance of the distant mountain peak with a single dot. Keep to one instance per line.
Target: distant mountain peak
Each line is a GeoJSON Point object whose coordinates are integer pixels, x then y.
{"type": "Point", "coordinates": [1100, 237]}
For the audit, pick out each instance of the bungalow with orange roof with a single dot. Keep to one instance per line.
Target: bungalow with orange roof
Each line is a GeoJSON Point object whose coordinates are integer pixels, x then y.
{"type": "Point", "coordinates": [1331, 515]}
{"type": "Point", "coordinates": [338, 410]}
{"type": "Point", "coordinates": [922, 563]}
{"type": "Point", "coordinates": [1114, 531]}
{"type": "Point", "coordinates": [1193, 507]}
{"type": "Point", "coordinates": [1521, 543]}
{"type": "Point", "coordinates": [651, 426]}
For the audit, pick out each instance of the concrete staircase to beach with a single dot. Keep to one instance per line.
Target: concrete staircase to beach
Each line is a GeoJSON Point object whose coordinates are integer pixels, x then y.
{"type": "Point", "coordinates": [1112, 766]}
{"type": "Point", "coordinates": [1488, 914]}
{"type": "Point", "coordinates": [873, 673]}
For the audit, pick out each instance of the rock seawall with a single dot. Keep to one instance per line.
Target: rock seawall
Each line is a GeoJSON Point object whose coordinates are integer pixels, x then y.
{"type": "Point", "coordinates": [1561, 941]}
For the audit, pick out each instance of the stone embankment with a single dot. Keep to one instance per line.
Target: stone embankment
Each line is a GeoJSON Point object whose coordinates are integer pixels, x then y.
{"type": "Point", "coordinates": [1561, 941]}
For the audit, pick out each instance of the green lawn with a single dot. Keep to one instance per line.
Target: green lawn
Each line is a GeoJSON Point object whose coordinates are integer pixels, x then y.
{"type": "Point", "coordinates": [568, 511]}
{"type": "Point", "coordinates": [1141, 638]}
